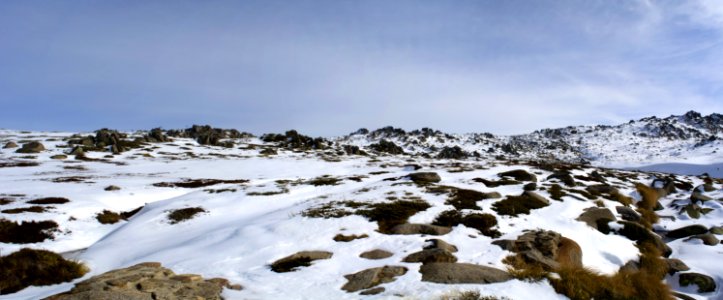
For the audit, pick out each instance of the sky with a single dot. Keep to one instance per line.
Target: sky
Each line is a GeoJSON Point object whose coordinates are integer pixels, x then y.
{"type": "Point", "coordinates": [328, 68]}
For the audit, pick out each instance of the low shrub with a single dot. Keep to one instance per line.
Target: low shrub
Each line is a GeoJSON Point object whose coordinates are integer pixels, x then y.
{"type": "Point", "coordinates": [184, 214]}
{"type": "Point", "coordinates": [32, 209]}
{"type": "Point", "coordinates": [49, 200]}
{"type": "Point", "coordinates": [108, 217]}
{"type": "Point", "coordinates": [26, 232]}
{"type": "Point", "coordinates": [28, 267]}
{"type": "Point", "coordinates": [514, 205]}
{"type": "Point", "coordinates": [481, 222]}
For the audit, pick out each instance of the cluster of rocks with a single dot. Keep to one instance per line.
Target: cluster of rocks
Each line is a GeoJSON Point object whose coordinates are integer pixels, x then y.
{"type": "Point", "coordinates": [207, 135]}
{"type": "Point", "coordinates": [110, 140]}
{"type": "Point", "coordinates": [385, 146]}
{"type": "Point", "coordinates": [147, 281]}
{"type": "Point", "coordinates": [294, 140]}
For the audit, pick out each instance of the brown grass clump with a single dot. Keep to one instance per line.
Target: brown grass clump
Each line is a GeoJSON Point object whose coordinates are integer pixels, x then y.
{"type": "Point", "coordinates": [26, 232]}
{"type": "Point", "coordinates": [647, 204]}
{"type": "Point", "coordinates": [32, 209]}
{"type": "Point", "coordinates": [583, 283]}
{"type": "Point", "coordinates": [481, 222]}
{"type": "Point", "coordinates": [514, 205]}
{"type": "Point", "coordinates": [556, 192]}
{"type": "Point", "coordinates": [36, 267]}
{"type": "Point", "coordinates": [624, 200]}
{"type": "Point", "coordinates": [348, 238]}
{"type": "Point", "coordinates": [108, 217]}
{"type": "Point", "coordinates": [184, 214]}
{"type": "Point", "coordinates": [49, 200]}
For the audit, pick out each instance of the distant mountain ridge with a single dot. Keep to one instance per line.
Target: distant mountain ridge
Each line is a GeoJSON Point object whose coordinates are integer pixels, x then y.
{"type": "Point", "coordinates": [689, 137]}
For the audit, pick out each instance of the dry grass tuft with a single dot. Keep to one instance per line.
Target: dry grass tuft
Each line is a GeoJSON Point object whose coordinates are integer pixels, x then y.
{"type": "Point", "coordinates": [36, 267]}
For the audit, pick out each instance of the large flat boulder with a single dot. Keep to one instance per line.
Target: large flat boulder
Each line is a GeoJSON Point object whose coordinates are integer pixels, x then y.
{"type": "Point", "coordinates": [372, 277]}
{"type": "Point", "coordinates": [452, 273]}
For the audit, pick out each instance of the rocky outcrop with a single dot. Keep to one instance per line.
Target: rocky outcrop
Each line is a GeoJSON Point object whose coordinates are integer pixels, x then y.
{"type": "Point", "coordinates": [207, 135]}
{"type": "Point", "coordinates": [548, 249]}
{"type": "Point", "coordinates": [636, 232]}
{"type": "Point", "coordinates": [686, 231]}
{"type": "Point", "coordinates": [298, 259]}
{"type": "Point", "coordinates": [385, 146]}
{"type": "Point", "coordinates": [146, 281]}
{"type": "Point", "coordinates": [452, 153]}
{"type": "Point", "coordinates": [376, 254]}
{"type": "Point", "coordinates": [424, 177]}
{"type": "Point", "coordinates": [597, 218]}
{"type": "Point", "coordinates": [31, 147]}
{"type": "Point", "coordinates": [519, 175]}
{"type": "Point", "coordinates": [370, 278]}
{"type": "Point", "coordinates": [454, 273]}
{"type": "Point", "coordinates": [704, 282]}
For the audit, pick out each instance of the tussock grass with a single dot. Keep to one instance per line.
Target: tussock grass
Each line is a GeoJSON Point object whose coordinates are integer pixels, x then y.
{"type": "Point", "coordinates": [184, 214]}
{"type": "Point", "coordinates": [49, 200]}
{"type": "Point", "coordinates": [26, 232]}
{"type": "Point", "coordinates": [391, 214]}
{"type": "Point", "coordinates": [36, 267]}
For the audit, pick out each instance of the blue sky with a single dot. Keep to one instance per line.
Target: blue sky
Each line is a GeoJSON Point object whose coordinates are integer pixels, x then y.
{"type": "Point", "coordinates": [330, 67]}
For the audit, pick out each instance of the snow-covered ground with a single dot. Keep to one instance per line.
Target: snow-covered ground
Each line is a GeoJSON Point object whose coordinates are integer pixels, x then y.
{"type": "Point", "coordinates": [244, 230]}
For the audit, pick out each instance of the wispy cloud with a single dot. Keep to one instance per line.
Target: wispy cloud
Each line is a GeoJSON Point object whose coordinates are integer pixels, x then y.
{"type": "Point", "coordinates": [331, 67]}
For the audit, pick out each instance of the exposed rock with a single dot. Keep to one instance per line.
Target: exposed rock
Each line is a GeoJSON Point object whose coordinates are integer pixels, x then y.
{"type": "Point", "coordinates": [599, 189]}
{"type": "Point", "coordinates": [77, 151]}
{"type": "Point", "coordinates": [705, 283]}
{"type": "Point", "coordinates": [547, 248]}
{"type": "Point", "coordinates": [424, 177]}
{"type": "Point", "coordinates": [112, 188]}
{"type": "Point", "coordinates": [514, 205]}
{"type": "Point", "coordinates": [146, 281]}
{"type": "Point", "coordinates": [268, 151]}
{"type": "Point", "coordinates": [431, 256]}
{"type": "Point", "coordinates": [408, 228]}
{"type": "Point", "coordinates": [440, 244]}
{"type": "Point", "coordinates": [707, 238]}
{"type": "Point", "coordinates": [372, 277]}
{"type": "Point", "coordinates": [59, 156]}
{"type": "Point", "coordinates": [348, 238]}
{"type": "Point", "coordinates": [353, 150]}
{"type": "Point", "coordinates": [636, 232]}
{"type": "Point", "coordinates": [294, 140]}
{"type": "Point", "coordinates": [519, 175]}
{"type": "Point", "coordinates": [563, 176]}
{"type": "Point", "coordinates": [698, 196]}
{"type": "Point", "coordinates": [376, 254]}
{"type": "Point", "coordinates": [627, 213]}
{"type": "Point", "coordinates": [10, 145]}
{"type": "Point", "coordinates": [156, 136]}
{"type": "Point", "coordinates": [597, 218]}
{"type": "Point", "coordinates": [206, 135]}
{"type": "Point", "coordinates": [686, 231]}
{"type": "Point", "coordinates": [453, 273]}
{"type": "Point", "coordinates": [530, 186]}
{"type": "Point", "coordinates": [373, 291]}
{"type": "Point", "coordinates": [676, 265]}
{"type": "Point", "coordinates": [452, 153]}
{"type": "Point", "coordinates": [299, 259]}
{"type": "Point", "coordinates": [31, 147]}
{"type": "Point", "coordinates": [716, 230]}
{"type": "Point", "coordinates": [387, 147]}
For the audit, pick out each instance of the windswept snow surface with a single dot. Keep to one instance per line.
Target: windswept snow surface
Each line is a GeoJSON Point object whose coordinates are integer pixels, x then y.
{"type": "Point", "coordinates": [244, 229]}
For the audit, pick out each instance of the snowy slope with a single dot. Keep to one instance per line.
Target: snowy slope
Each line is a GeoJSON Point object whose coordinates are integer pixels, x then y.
{"type": "Point", "coordinates": [245, 229]}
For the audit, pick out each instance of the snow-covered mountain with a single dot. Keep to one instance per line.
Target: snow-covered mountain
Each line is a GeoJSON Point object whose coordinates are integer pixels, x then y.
{"type": "Point", "coordinates": [689, 138]}
{"type": "Point", "coordinates": [383, 214]}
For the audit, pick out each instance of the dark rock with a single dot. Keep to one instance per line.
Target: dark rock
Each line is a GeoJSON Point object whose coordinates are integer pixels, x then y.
{"type": "Point", "coordinates": [597, 218]}
{"type": "Point", "coordinates": [452, 153]}
{"type": "Point", "coordinates": [705, 283]}
{"type": "Point", "coordinates": [372, 277]}
{"type": "Point", "coordinates": [424, 177]}
{"type": "Point", "coordinates": [112, 188]}
{"type": "Point", "coordinates": [707, 238]}
{"type": "Point", "coordinates": [686, 231]}
{"type": "Point", "coordinates": [563, 176]}
{"type": "Point", "coordinates": [59, 156]}
{"type": "Point", "coordinates": [682, 296]}
{"type": "Point", "coordinates": [431, 256]}
{"type": "Point", "coordinates": [676, 265]}
{"type": "Point", "coordinates": [407, 228]}
{"type": "Point", "coordinates": [10, 145]}
{"type": "Point", "coordinates": [599, 189]}
{"type": "Point", "coordinates": [31, 147]}
{"type": "Point", "coordinates": [440, 244]}
{"type": "Point", "coordinates": [268, 151]}
{"type": "Point", "coordinates": [640, 234]}
{"type": "Point", "coordinates": [530, 186]}
{"type": "Point", "coordinates": [698, 196]}
{"type": "Point", "coordinates": [299, 259]}
{"type": "Point", "coordinates": [353, 150]}
{"type": "Point", "coordinates": [545, 248]}
{"type": "Point", "coordinates": [376, 254]}
{"type": "Point", "coordinates": [716, 230]}
{"type": "Point", "coordinates": [519, 175]}
{"type": "Point", "coordinates": [628, 214]}
{"type": "Point", "coordinates": [454, 273]}
{"type": "Point", "coordinates": [373, 291]}
{"type": "Point", "coordinates": [387, 147]}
